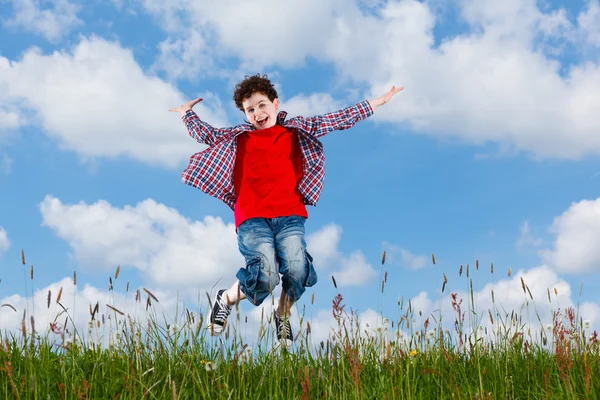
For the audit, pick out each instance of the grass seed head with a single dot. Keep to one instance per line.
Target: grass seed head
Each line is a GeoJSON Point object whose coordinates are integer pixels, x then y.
{"type": "Point", "coordinates": [151, 295]}
{"type": "Point", "coordinates": [114, 309]}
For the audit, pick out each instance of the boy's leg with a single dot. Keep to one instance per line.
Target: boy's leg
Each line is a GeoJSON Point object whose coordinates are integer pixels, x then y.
{"type": "Point", "coordinates": [256, 280]}
{"type": "Point", "coordinates": [234, 294]}
{"type": "Point", "coordinates": [260, 276]}
{"type": "Point", "coordinates": [295, 264]}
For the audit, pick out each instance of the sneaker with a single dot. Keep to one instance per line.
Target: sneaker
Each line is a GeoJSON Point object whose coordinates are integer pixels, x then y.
{"type": "Point", "coordinates": [218, 314]}
{"type": "Point", "coordinates": [284, 330]}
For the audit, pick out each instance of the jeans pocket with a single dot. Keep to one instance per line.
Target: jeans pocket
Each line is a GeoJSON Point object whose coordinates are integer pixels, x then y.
{"type": "Point", "coordinates": [311, 277]}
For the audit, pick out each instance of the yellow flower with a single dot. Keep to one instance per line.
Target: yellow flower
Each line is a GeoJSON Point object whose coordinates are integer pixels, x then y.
{"type": "Point", "coordinates": [413, 353]}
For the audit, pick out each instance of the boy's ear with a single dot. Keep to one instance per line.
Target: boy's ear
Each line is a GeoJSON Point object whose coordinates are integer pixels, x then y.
{"type": "Point", "coordinates": [276, 103]}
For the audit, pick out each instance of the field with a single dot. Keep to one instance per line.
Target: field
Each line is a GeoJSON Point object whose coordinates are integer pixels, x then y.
{"type": "Point", "coordinates": [416, 357]}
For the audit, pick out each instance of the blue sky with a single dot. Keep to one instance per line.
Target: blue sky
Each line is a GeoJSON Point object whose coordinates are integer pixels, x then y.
{"type": "Point", "coordinates": [490, 153]}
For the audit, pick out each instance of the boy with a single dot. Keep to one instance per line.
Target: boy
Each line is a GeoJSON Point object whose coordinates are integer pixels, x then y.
{"type": "Point", "coordinates": [266, 171]}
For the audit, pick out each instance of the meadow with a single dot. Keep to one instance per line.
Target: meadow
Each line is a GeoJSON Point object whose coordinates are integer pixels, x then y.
{"type": "Point", "coordinates": [416, 356]}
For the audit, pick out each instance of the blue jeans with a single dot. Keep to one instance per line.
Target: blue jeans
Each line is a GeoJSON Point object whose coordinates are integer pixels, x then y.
{"type": "Point", "coordinates": [273, 246]}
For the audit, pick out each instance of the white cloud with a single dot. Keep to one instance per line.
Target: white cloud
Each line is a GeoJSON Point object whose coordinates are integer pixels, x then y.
{"type": "Point", "coordinates": [77, 300]}
{"type": "Point", "coordinates": [349, 270]}
{"type": "Point", "coordinates": [500, 82]}
{"type": "Point", "coordinates": [97, 101]}
{"type": "Point", "coordinates": [323, 325]}
{"type": "Point", "coordinates": [171, 250]}
{"type": "Point", "coordinates": [589, 21]}
{"type": "Point", "coordinates": [314, 104]}
{"type": "Point", "coordinates": [527, 238]}
{"type": "Point", "coordinates": [52, 22]}
{"type": "Point", "coordinates": [400, 256]}
{"type": "Point", "coordinates": [150, 237]}
{"type": "Point", "coordinates": [575, 249]}
{"type": "Point", "coordinates": [185, 57]}
{"type": "Point", "coordinates": [323, 245]}
{"type": "Point", "coordinates": [4, 242]}
{"type": "Point", "coordinates": [508, 297]}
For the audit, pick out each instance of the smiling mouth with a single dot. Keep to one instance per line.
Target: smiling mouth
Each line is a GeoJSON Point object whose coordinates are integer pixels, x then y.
{"type": "Point", "coordinates": [262, 121]}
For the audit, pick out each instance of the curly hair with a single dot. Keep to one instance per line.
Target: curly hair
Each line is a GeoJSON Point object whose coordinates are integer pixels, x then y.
{"type": "Point", "coordinates": [251, 85]}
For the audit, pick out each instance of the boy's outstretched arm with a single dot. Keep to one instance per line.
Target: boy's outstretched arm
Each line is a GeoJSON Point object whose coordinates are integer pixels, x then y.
{"type": "Point", "coordinates": [198, 129]}
{"type": "Point", "coordinates": [381, 100]}
{"type": "Point", "coordinates": [345, 118]}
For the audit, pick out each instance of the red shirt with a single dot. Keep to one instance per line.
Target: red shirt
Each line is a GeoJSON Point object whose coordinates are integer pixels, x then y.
{"type": "Point", "coordinates": [267, 171]}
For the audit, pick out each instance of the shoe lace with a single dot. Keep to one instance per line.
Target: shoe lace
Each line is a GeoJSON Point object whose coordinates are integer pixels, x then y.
{"type": "Point", "coordinates": [223, 311]}
{"type": "Point", "coordinates": [284, 328]}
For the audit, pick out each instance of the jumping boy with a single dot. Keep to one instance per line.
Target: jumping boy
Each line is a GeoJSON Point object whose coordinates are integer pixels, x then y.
{"type": "Point", "coordinates": [266, 171]}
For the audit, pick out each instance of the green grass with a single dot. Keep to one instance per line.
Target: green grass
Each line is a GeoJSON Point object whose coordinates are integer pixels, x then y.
{"type": "Point", "coordinates": [403, 361]}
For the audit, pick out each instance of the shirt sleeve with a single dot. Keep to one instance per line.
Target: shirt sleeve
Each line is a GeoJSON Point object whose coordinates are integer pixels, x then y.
{"type": "Point", "coordinates": [202, 131]}
{"type": "Point", "coordinates": [335, 121]}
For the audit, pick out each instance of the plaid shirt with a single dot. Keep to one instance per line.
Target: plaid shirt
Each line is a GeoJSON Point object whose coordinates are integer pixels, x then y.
{"type": "Point", "coordinates": [211, 170]}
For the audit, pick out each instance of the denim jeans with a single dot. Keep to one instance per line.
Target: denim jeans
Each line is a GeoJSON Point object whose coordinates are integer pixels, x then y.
{"type": "Point", "coordinates": [274, 246]}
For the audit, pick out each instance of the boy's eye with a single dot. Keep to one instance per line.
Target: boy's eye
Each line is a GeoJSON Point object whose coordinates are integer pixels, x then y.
{"type": "Point", "coordinates": [262, 105]}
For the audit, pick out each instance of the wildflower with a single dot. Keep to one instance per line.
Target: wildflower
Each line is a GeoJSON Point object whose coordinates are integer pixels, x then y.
{"type": "Point", "coordinates": [413, 353]}
{"type": "Point", "coordinates": [431, 334]}
{"type": "Point", "coordinates": [587, 324]}
{"type": "Point", "coordinates": [246, 355]}
{"type": "Point", "coordinates": [173, 329]}
{"type": "Point", "coordinates": [210, 366]}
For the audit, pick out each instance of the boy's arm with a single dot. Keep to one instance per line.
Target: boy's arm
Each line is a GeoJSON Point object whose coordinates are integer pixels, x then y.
{"type": "Point", "coordinates": [198, 129]}
{"type": "Point", "coordinates": [346, 117]}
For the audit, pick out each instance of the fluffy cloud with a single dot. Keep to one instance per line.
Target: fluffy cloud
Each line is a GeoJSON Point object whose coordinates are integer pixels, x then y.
{"type": "Point", "coordinates": [77, 300]}
{"type": "Point", "coordinates": [314, 104]}
{"type": "Point", "coordinates": [549, 293]}
{"type": "Point", "coordinates": [527, 238]}
{"type": "Point", "coordinates": [575, 249]}
{"type": "Point", "coordinates": [400, 256]}
{"type": "Point", "coordinates": [498, 82]}
{"type": "Point", "coordinates": [153, 238]}
{"type": "Point", "coordinates": [97, 101]}
{"type": "Point", "coordinates": [174, 251]}
{"type": "Point", "coordinates": [52, 22]}
{"type": "Point", "coordinates": [348, 270]}
{"type": "Point", "coordinates": [4, 242]}
{"type": "Point", "coordinates": [589, 21]}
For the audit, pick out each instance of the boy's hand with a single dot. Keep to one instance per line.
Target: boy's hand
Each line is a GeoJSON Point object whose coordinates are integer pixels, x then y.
{"type": "Point", "coordinates": [385, 98]}
{"type": "Point", "coordinates": [182, 109]}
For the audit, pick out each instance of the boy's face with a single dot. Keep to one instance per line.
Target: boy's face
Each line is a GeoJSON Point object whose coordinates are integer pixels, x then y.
{"type": "Point", "coordinates": [260, 111]}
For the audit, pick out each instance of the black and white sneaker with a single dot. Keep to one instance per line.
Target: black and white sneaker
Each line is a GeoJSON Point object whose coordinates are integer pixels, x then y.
{"type": "Point", "coordinates": [284, 330]}
{"type": "Point", "coordinates": [218, 314]}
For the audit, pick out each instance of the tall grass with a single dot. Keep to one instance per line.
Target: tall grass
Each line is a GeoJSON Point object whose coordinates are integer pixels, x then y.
{"type": "Point", "coordinates": [416, 357]}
